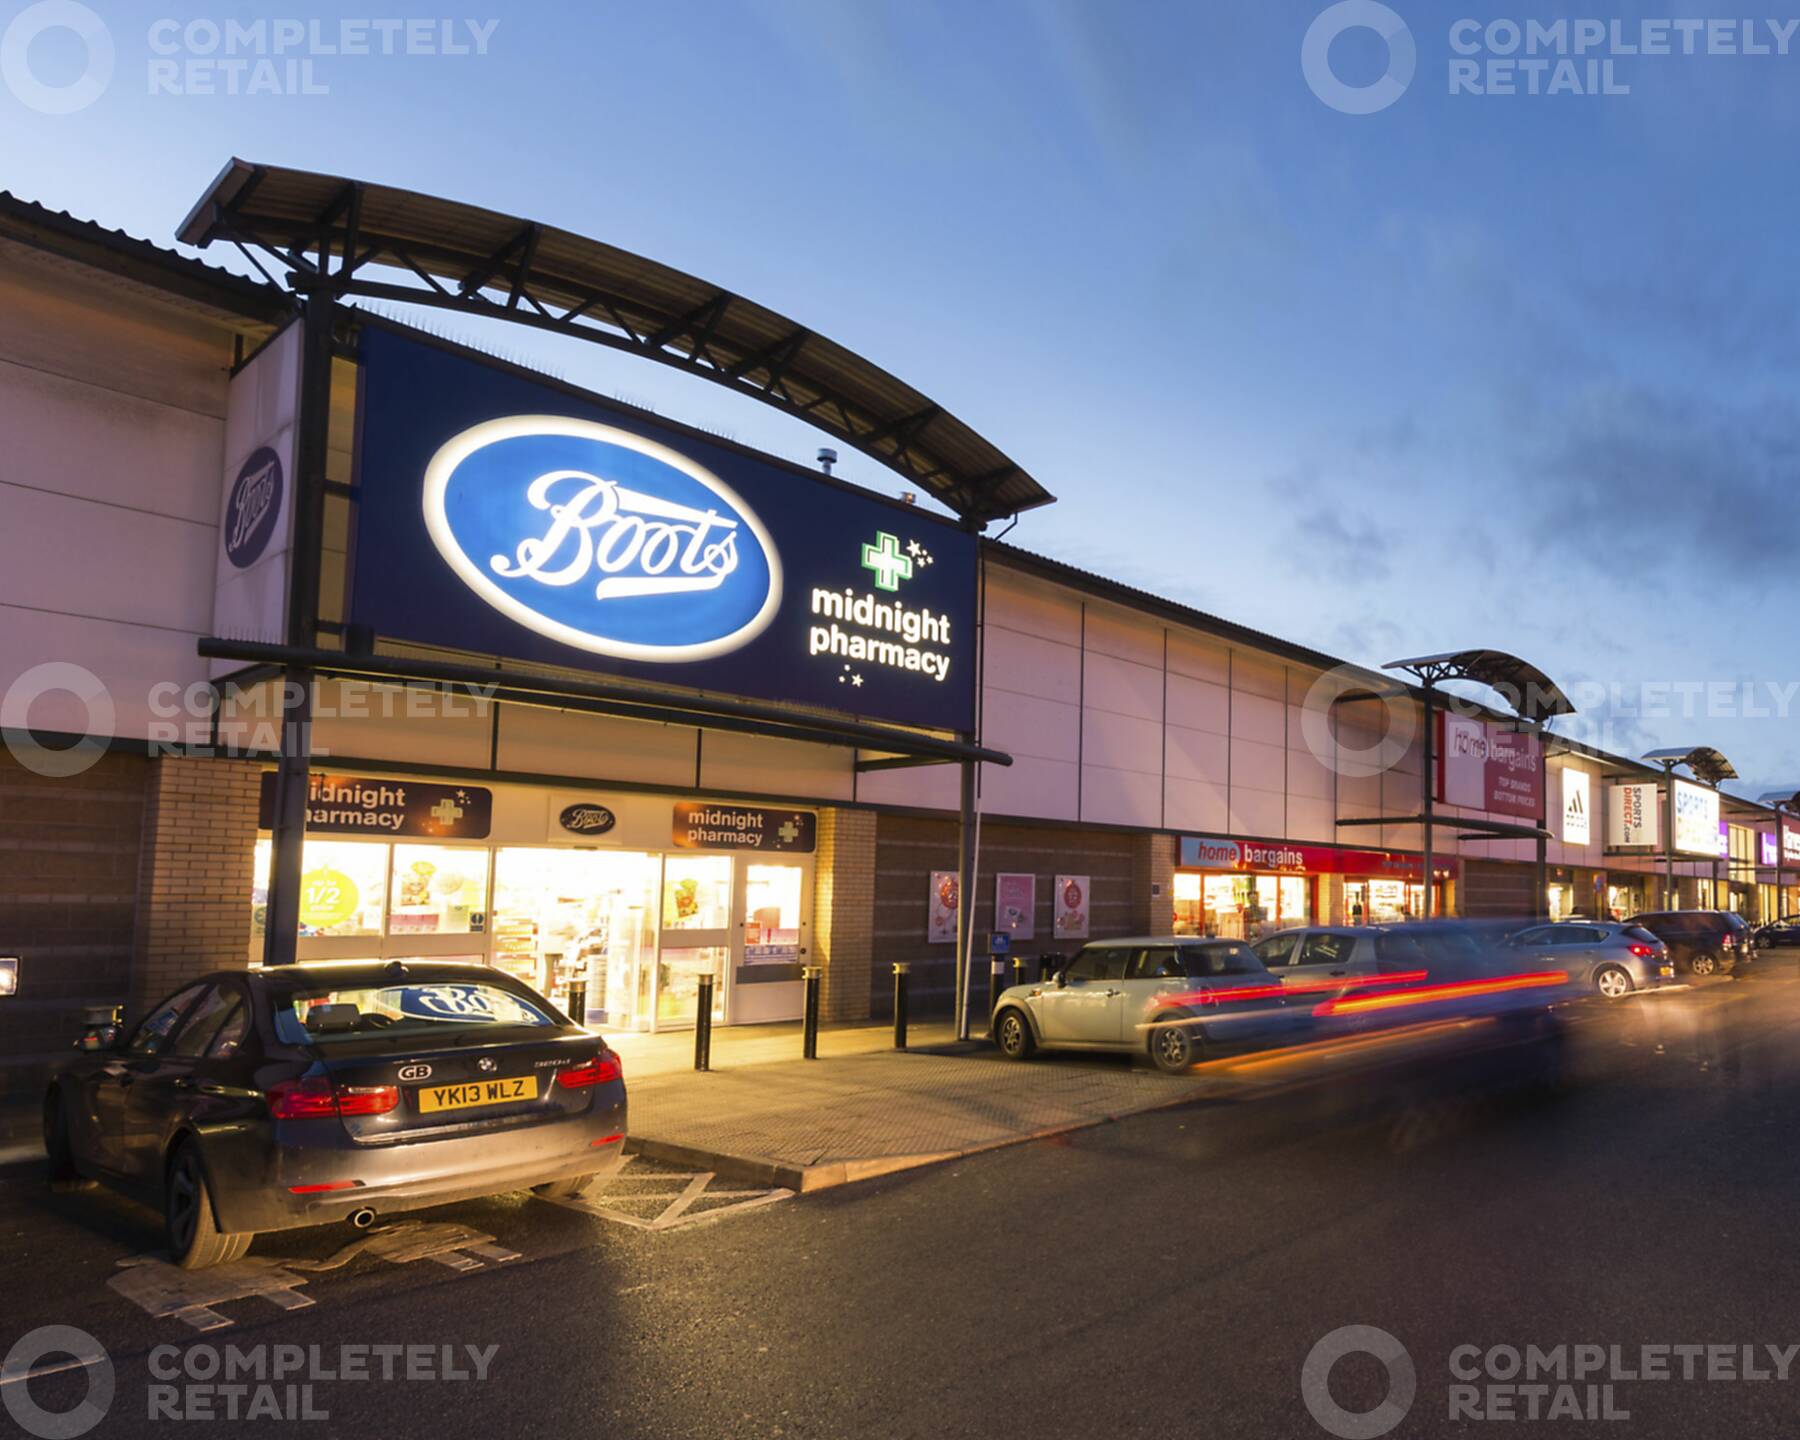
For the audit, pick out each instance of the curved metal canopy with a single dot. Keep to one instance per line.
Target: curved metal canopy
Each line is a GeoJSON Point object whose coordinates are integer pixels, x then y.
{"type": "Point", "coordinates": [462, 257]}
{"type": "Point", "coordinates": [1533, 695]}
{"type": "Point", "coordinates": [1703, 760]}
{"type": "Point", "coordinates": [1781, 800]}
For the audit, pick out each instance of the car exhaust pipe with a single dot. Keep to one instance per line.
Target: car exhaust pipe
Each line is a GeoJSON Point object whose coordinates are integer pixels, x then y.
{"type": "Point", "coordinates": [362, 1219]}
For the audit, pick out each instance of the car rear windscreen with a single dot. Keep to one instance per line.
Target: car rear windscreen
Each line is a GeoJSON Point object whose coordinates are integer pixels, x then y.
{"type": "Point", "coordinates": [442, 1010]}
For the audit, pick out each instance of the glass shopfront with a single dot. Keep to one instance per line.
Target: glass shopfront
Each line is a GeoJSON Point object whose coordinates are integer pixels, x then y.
{"type": "Point", "coordinates": [624, 935]}
{"type": "Point", "coordinates": [1245, 889]}
{"type": "Point", "coordinates": [1242, 907]}
{"type": "Point", "coordinates": [1382, 901]}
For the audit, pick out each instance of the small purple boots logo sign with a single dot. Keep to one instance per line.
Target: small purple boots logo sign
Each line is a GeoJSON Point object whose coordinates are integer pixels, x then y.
{"type": "Point", "coordinates": [254, 508]}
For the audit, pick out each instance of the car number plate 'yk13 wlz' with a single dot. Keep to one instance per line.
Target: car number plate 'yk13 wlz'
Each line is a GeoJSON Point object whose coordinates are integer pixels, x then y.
{"type": "Point", "coordinates": [477, 1092]}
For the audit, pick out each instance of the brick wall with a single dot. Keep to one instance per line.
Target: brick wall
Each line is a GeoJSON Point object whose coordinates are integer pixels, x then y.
{"type": "Point", "coordinates": [1118, 864]}
{"type": "Point", "coordinates": [68, 893]}
{"type": "Point", "coordinates": [1154, 876]}
{"type": "Point", "coordinates": [195, 876]}
{"type": "Point", "coordinates": [843, 912]}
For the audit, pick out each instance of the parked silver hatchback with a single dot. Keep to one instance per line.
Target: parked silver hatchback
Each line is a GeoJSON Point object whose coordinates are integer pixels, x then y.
{"type": "Point", "coordinates": [1604, 956]}
{"type": "Point", "coordinates": [1172, 998]}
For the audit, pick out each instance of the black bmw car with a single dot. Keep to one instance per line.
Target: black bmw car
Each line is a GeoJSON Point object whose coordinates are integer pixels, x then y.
{"type": "Point", "coordinates": [312, 1093]}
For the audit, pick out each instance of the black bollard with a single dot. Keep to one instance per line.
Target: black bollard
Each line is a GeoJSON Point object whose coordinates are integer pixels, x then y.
{"type": "Point", "coordinates": [703, 1025]}
{"type": "Point", "coordinates": [1018, 969]}
{"type": "Point", "coordinates": [996, 983]}
{"type": "Point", "coordinates": [902, 978]}
{"type": "Point", "coordinates": [578, 1001]}
{"type": "Point", "coordinates": [809, 1041]}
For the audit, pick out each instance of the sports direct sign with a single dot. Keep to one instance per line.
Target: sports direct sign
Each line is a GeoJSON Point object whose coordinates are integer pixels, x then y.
{"type": "Point", "coordinates": [1483, 765]}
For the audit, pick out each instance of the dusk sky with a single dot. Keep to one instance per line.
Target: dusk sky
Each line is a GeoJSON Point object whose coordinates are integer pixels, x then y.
{"type": "Point", "coordinates": [1484, 369]}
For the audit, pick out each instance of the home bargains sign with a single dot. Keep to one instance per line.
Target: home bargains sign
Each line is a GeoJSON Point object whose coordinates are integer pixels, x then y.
{"type": "Point", "coordinates": [1484, 765]}
{"type": "Point", "coordinates": [1200, 852]}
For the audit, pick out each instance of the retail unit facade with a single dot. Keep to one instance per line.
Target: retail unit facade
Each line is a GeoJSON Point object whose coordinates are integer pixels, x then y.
{"type": "Point", "coordinates": [1169, 770]}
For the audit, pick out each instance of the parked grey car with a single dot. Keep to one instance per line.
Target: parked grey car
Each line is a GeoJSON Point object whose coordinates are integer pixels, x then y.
{"type": "Point", "coordinates": [1173, 998]}
{"type": "Point", "coordinates": [1605, 956]}
{"type": "Point", "coordinates": [1329, 956]}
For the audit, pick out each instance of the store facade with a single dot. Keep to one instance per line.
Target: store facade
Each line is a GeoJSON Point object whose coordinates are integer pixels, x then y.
{"type": "Point", "coordinates": [489, 775]}
{"type": "Point", "coordinates": [614, 905]}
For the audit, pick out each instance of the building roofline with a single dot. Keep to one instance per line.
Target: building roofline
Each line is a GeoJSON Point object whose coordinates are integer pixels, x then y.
{"type": "Point", "coordinates": [87, 242]}
{"type": "Point", "coordinates": [1132, 598]}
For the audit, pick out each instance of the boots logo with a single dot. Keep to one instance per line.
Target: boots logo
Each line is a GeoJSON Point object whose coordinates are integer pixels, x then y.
{"type": "Point", "coordinates": [254, 508]}
{"type": "Point", "coordinates": [601, 539]}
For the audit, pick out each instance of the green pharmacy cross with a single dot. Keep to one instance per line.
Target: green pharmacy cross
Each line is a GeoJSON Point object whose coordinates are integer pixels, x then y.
{"type": "Point", "coordinates": [884, 559]}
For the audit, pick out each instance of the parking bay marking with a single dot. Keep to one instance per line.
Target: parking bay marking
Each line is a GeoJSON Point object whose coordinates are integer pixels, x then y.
{"type": "Point", "coordinates": [164, 1291]}
{"type": "Point", "coordinates": [689, 1188]}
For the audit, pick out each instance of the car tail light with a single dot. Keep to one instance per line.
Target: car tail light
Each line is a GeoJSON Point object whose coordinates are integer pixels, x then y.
{"type": "Point", "coordinates": [321, 1189]}
{"type": "Point", "coordinates": [1730, 941]}
{"type": "Point", "coordinates": [598, 1071]}
{"type": "Point", "coordinates": [317, 1098]}
{"type": "Point", "coordinates": [1645, 952]}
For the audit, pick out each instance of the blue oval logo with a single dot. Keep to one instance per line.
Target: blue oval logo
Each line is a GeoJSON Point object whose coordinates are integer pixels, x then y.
{"type": "Point", "coordinates": [601, 539]}
{"type": "Point", "coordinates": [253, 509]}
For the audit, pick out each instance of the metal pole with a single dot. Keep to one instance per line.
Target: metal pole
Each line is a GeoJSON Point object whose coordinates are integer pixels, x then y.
{"type": "Point", "coordinates": [902, 981]}
{"type": "Point", "coordinates": [996, 983]}
{"type": "Point", "coordinates": [703, 1025]}
{"type": "Point", "coordinates": [1430, 788]}
{"type": "Point", "coordinates": [1670, 900]}
{"type": "Point", "coordinates": [1780, 861]}
{"type": "Point", "coordinates": [1543, 882]}
{"type": "Point", "coordinates": [965, 898]}
{"type": "Point", "coordinates": [281, 919]}
{"type": "Point", "coordinates": [809, 1039]}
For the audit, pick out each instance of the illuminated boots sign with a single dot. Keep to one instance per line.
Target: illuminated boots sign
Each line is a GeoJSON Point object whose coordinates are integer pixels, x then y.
{"type": "Point", "coordinates": [502, 514]}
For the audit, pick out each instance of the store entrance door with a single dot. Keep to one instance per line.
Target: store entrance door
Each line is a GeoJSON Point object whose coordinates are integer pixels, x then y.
{"type": "Point", "coordinates": [774, 938]}
{"type": "Point", "coordinates": [698, 899]}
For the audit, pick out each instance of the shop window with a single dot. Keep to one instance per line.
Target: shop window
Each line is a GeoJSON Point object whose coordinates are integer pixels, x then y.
{"type": "Point", "coordinates": [678, 982]}
{"type": "Point", "coordinates": [586, 917]}
{"type": "Point", "coordinates": [342, 887]}
{"type": "Point", "coordinates": [438, 890]}
{"type": "Point", "coordinates": [697, 892]}
{"type": "Point", "coordinates": [772, 914]}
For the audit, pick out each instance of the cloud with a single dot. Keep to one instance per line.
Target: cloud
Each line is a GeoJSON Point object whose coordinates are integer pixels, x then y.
{"type": "Point", "coordinates": [1346, 548]}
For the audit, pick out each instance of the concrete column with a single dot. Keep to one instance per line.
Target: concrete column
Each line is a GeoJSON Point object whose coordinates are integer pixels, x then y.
{"type": "Point", "coordinates": [844, 912]}
{"type": "Point", "coordinates": [194, 873]}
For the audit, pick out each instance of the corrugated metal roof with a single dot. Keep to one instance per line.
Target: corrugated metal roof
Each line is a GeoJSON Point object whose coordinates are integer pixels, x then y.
{"type": "Point", "coordinates": [246, 304]}
{"type": "Point", "coordinates": [479, 261]}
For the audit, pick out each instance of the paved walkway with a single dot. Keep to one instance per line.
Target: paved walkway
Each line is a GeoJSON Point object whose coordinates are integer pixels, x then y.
{"type": "Point", "coordinates": [862, 1108]}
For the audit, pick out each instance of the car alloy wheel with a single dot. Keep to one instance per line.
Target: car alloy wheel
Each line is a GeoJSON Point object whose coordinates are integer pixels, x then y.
{"type": "Point", "coordinates": [1011, 1034]}
{"type": "Point", "coordinates": [1703, 964]}
{"type": "Point", "coordinates": [1172, 1048]}
{"type": "Point", "coordinates": [1613, 982]}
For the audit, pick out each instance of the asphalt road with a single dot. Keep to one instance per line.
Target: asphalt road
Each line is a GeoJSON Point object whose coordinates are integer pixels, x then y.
{"type": "Point", "coordinates": [1166, 1275]}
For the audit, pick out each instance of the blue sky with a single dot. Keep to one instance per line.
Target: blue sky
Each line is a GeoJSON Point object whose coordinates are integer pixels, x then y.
{"type": "Point", "coordinates": [1473, 370]}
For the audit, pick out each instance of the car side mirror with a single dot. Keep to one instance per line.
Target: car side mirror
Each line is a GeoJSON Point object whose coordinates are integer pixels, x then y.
{"type": "Point", "coordinates": [1061, 980]}
{"type": "Point", "coordinates": [98, 1038]}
